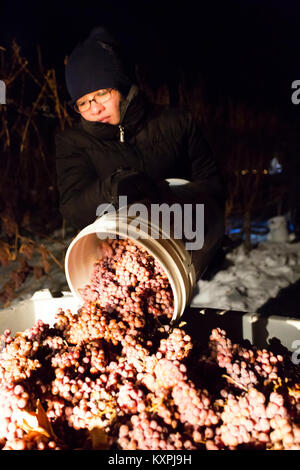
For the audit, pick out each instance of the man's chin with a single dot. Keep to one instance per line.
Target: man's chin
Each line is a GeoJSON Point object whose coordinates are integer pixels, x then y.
{"type": "Point", "coordinates": [105, 121]}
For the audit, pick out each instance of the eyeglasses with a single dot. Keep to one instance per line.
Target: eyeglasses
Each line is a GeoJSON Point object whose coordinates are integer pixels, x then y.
{"type": "Point", "coordinates": [100, 98]}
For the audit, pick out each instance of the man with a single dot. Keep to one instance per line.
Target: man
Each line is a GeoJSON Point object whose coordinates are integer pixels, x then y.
{"type": "Point", "coordinates": [123, 145]}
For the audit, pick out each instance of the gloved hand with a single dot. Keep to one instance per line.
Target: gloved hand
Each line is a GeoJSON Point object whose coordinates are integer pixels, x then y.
{"type": "Point", "coordinates": [136, 186]}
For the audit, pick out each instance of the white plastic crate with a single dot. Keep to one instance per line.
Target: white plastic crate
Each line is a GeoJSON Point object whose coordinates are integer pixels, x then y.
{"type": "Point", "coordinates": [40, 306]}
{"type": "Point", "coordinates": [258, 329]}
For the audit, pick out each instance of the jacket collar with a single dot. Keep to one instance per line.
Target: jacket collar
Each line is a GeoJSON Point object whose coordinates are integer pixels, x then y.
{"type": "Point", "coordinates": [132, 111]}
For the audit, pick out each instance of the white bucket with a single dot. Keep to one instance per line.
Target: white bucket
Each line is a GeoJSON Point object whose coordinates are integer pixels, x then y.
{"type": "Point", "coordinates": [176, 261]}
{"type": "Point", "coordinates": [182, 267]}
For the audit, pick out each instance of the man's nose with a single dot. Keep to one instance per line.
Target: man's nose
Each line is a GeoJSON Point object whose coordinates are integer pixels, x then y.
{"type": "Point", "coordinates": [96, 107]}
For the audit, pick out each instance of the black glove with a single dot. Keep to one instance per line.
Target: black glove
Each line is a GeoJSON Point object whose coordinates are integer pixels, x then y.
{"type": "Point", "coordinates": [136, 186]}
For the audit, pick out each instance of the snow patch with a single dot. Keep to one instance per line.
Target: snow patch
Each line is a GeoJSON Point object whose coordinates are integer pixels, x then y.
{"type": "Point", "coordinates": [251, 279]}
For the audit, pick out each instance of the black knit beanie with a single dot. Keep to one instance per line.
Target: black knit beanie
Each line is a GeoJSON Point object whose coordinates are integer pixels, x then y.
{"type": "Point", "coordinates": [95, 64]}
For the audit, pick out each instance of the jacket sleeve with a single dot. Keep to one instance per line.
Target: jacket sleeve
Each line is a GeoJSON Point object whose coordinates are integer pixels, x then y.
{"type": "Point", "coordinates": [82, 190]}
{"type": "Point", "coordinates": [79, 186]}
{"type": "Point", "coordinates": [206, 188]}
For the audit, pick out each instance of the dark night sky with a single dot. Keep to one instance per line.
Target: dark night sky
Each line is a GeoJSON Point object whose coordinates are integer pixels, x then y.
{"type": "Point", "coordinates": [246, 48]}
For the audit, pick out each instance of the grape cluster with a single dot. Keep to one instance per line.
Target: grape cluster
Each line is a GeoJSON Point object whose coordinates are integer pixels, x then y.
{"type": "Point", "coordinates": [32, 441]}
{"type": "Point", "coordinates": [249, 366]}
{"type": "Point", "coordinates": [194, 406]}
{"type": "Point", "coordinates": [116, 374]}
{"type": "Point", "coordinates": [131, 398]}
{"type": "Point", "coordinates": [131, 282]}
{"type": "Point", "coordinates": [149, 433]}
{"type": "Point", "coordinates": [257, 420]}
{"type": "Point", "coordinates": [176, 346]}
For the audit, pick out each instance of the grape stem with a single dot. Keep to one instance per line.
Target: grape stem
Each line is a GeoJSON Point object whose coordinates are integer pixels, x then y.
{"type": "Point", "coordinates": [230, 379]}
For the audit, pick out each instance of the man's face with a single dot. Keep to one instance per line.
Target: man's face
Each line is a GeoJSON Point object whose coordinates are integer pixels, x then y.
{"type": "Point", "coordinates": [103, 106]}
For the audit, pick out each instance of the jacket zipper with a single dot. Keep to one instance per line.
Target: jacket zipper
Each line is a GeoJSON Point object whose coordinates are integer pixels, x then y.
{"type": "Point", "coordinates": [122, 134]}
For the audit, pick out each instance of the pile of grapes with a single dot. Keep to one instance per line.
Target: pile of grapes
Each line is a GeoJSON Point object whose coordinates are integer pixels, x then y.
{"type": "Point", "coordinates": [116, 375]}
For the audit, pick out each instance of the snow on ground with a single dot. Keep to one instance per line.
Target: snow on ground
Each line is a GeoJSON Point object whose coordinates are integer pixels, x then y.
{"type": "Point", "coordinates": [250, 280]}
{"type": "Point", "coordinates": [243, 282]}
{"type": "Point", "coordinates": [55, 280]}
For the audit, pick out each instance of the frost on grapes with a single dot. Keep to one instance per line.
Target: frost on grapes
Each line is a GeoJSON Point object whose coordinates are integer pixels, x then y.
{"type": "Point", "coordinates": [116, 375]}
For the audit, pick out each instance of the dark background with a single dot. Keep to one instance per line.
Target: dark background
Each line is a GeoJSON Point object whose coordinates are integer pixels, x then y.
{"type": "Point", "coordinates": [231, 62]}
{"type": "Point", "coordinates": [245, 49]}
{"type": "Point", "coordinates": [235, 62]}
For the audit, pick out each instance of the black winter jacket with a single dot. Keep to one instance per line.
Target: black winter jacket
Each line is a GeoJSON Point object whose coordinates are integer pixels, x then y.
{"type": "Point", "coordinates": [160, 141]}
